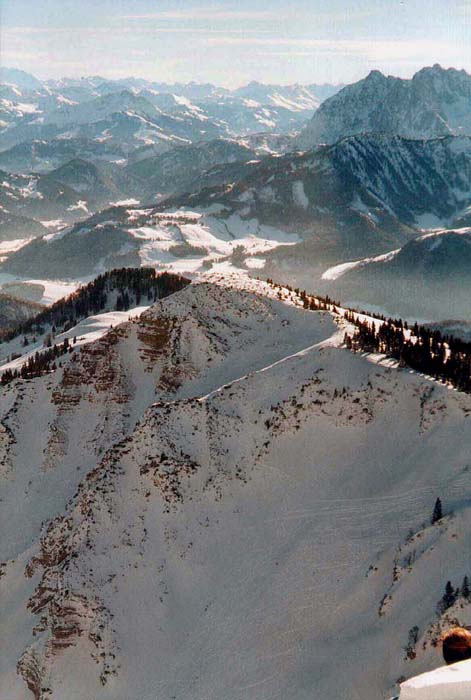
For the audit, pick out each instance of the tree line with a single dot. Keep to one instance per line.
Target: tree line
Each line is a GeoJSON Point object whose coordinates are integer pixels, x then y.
{"type": "Point", "coordinates": [133, 286]}
{"type": "Point", "coordinates": [38, 364]}
{"type": "Point", "coordinates": [441, 356]}
{"type": "Point", "coordinates": [452, 594]}
{"type": "Point", "coordinates": [428, 351]}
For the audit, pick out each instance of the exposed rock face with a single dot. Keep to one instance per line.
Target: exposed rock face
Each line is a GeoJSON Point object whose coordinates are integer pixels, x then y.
{"type": "Point", "coordinates": [435, 102]}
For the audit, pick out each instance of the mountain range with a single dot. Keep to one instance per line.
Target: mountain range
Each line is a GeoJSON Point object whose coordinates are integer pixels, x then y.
{"type": "Point", "coordinates": [131, 113]}
{"type": "Point", "coordinates": [75, 147]}
{"type": "Point", "coordinates": [361, 197]}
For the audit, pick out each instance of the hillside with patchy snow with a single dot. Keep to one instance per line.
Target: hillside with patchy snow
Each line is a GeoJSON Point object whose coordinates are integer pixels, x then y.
{"type": "Point", "coordinates": [172, 239]}
{"type": "Point", "coordinates": [214, 494]}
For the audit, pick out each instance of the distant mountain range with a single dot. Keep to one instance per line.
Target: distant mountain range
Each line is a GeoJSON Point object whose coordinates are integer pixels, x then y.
{"type": "Point", "coordinates": [100, 171]}
{"type": "Point", "coordinates": [435, 102]}
{"type": "Point", "coordinates": [361, 197]}
{"type": "Point", "coordinates": [128, 114]}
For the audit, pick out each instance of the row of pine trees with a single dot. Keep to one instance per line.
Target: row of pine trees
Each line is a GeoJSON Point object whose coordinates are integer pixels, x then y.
{"type": "Point", "coordinates": [441, 356]}
{"type": "Point", "coordinates": [132, 285]}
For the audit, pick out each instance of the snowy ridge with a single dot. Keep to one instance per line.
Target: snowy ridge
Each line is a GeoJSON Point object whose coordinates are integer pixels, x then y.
{"type": "Point", "coordinates": [333, 273]}
{"type": "Point", "coordinates": [212, 462]}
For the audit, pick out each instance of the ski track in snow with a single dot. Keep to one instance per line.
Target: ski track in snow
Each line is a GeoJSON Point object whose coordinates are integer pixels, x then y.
{"type": "Point", "coordinates": [334, 340]}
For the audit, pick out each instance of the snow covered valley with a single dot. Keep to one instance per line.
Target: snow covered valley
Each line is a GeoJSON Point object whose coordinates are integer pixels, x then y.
{"type": "Point", "coordinates": [219, 500]}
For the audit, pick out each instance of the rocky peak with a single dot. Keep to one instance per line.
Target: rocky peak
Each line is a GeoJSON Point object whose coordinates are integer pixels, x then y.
{"type": "Point", "coordinates": [434, 102]}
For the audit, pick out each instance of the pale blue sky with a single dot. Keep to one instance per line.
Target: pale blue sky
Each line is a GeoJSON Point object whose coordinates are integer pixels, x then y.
{"type": "Point", "coordinates": [233, 42]}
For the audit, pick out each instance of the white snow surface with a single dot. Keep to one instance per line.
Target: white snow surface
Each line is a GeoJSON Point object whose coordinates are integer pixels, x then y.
{"type": "Point", "coordinates": [333, 273]}
{"type": "Point", "coordinates": [448, 682]}
{"type": "Point", "coordinates": [10, 246]}
{"type": "Point", "coordinates": [211, 238]}
{"type": "Point", "coordinates": [86, 331]}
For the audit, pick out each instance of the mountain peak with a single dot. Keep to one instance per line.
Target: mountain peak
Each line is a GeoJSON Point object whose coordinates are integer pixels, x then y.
{"type": "Point", "coordinates": [375, 75]}
{"type": "Point", "coordinates": [420, 108]}
{"type": "Point", "coordinates": [438, 70]}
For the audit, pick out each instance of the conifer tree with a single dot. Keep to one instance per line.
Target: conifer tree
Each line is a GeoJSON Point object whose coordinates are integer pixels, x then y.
{"type": "Point", "coordinates": [437, 512]}
{"type": "Point", "coordinates": [465, 592]}
{"type": "Point", "coordinates": [449, 597]}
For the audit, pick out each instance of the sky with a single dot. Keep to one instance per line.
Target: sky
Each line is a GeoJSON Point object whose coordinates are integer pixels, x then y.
{"type": "Point", "coordinates": [232, 43]}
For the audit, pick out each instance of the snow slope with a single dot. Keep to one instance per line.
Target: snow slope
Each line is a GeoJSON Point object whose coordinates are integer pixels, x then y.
{"type": "Point", "coordinates": [174, 240]}
{"type": "Point", "coordinates": [213, 495]}
{"type": "Point", "coordinates": [426, 278]}
{"type": "Point", "coordinates": [450, 682]}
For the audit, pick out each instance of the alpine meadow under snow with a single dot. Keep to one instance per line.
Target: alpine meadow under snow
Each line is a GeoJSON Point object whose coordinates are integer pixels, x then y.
{"type": "Point", "coordinates": [215, 485]}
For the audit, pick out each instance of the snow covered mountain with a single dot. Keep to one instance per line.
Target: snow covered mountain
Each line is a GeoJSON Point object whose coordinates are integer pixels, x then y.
{"type": "Point", "coordinates": [429, 277]}
{"type": "Point", "coordinates": [93, 124]}
{"type": "Point", "coordinates": [69, 193]}
{"type": "Point", "coordinates": [19, 78]}
{"type": "Point", "coordinates": [43, 156]}
{"type": "Point", "coordinates": [123, 117]}
{"type": "Point", "coordinates": [435, 102]}
{"type": "Point", "coordinates": [421, 183]}
{"type": "Point", "coordinates": [34, 202]}
{"type": "Point", "coordinates": [221, 489]}
{"type": "Point", "coordinates": [39, 197]}
{"type": "Point", "coordinates": [177, 240]}
{"type": "Point", "coordinates": [296, 97]}
{"type": "Point", "coordinates": [217, 492]}
{"type": "Point", "coordinates": [180, 169]}
{"type": "Point", "coordinates": [129, 114]}
{"type": "Point", "coordinates": [357, 194]}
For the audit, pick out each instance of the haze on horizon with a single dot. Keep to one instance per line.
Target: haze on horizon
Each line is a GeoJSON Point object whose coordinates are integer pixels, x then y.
{"type": "Point", "coordinates": [230, 43]}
